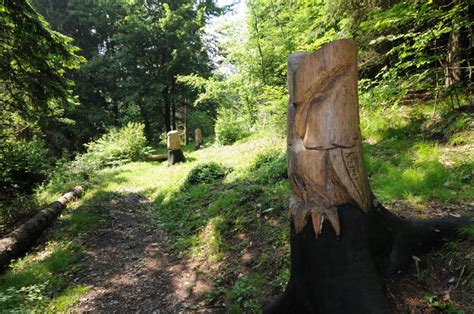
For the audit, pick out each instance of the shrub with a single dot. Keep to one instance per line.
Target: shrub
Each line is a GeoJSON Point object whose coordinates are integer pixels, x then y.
{"type": "Point", "coordinates": [23, 163]}
{"type": "Point", "coordinates": [230, 127]}
{"type": "Point", "coordinates": [114, 148]}
{"type": "Point", "coordinates": [206, 173]}
{"type": "Point", "coordinates": [270, 166]}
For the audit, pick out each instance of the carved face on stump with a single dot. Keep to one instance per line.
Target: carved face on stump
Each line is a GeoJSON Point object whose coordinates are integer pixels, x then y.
{"type": "Point", "coordinates": [324, 147]}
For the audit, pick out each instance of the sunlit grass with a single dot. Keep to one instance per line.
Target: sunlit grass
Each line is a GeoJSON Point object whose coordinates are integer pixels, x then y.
{"type": "Point", "coordinates": [404, 163]}
{"type": "Point", "coordinates": [225, 215]}
{"type": "Point", "coordinates": [31, 280]}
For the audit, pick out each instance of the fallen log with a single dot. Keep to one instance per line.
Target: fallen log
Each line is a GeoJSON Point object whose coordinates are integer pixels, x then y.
{"type": "Point", "coordinates": [158, 157]}
{"type": "Point", "coordinates": [20, 240]}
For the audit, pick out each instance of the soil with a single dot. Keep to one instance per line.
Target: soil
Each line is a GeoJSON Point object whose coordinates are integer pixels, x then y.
{"type": "Point", "coordinates": [129, 269]}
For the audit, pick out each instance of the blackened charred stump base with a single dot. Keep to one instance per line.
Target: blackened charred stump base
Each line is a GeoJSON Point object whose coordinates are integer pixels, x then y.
{"type": "Point", "coordinates": [175, 156]}
{"type": "Point", "coordinates": [330, 275]}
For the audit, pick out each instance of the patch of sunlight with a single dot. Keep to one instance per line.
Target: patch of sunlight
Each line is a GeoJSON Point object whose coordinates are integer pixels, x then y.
{"type": "Point", "coordinates": [209, 241]}
{"type": "Point", "coordinates": [67, 298]}
{"type": "Point", "coordinates": [415, 201]}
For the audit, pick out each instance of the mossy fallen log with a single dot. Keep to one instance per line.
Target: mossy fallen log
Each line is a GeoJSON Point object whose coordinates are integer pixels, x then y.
{"type": "Point", "coordinates": [20, 240]}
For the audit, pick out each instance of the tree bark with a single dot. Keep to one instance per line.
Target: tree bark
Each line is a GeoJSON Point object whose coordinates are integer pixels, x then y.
{"type": "Point", "coordinates": [452, 70]}
{"type": "Point", "coordinates": [167, 113]}
{"type": "Point", "coordinates": [337, 227]}
{"type": "Point", "coordinates": [20, 240]}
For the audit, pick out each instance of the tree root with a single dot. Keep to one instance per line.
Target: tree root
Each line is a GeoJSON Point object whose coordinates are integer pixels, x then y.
{"type": "Point", "coordinates": [330, 275]}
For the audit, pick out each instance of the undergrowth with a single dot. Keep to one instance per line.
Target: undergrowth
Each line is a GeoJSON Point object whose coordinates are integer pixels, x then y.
{"type": "Point", "coordinates": [227, 205]}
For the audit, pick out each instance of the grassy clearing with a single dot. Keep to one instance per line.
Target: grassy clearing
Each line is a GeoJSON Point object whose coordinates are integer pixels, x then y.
{"type": "Point", "coordinates": [227, 207]}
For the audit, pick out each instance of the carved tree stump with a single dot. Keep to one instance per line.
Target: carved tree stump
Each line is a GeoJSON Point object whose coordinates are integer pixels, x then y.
{"type": "Point", "coordinates": [175, 154]}
{"type": "Point", "coordinates": [337, 227]}
{"type": "Point", "coordinates": [198, 137]}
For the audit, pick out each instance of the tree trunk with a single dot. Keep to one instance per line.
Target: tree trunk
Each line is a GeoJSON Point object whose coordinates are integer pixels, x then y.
{"type": "Point", "coordinates": [185, 125]}
{"type": "Point", "coordinates": [337, 226]}
{"type": "Point", "coordinates": [452, 70]}
{"type": "Point", "coordinates": [148, 129]}
{"type": "Point", "coordinates": [167, 115]}
{"type": "Point", "coordinates": [173, 113]}
{"type": "Point", "coordinates": [198, 137]}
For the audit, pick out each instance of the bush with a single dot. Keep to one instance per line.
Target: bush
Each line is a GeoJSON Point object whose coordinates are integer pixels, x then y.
{"type": "Point", "coordinates": [230, 127]}
{"type": "Point", "coordinates": [270, 167]}
{"type": "Point", "coordinates": [23, 164]}
{"type": "Point", "coordinates": [206, 173]}
{"type": "Point", "coordinates": [116, 147]}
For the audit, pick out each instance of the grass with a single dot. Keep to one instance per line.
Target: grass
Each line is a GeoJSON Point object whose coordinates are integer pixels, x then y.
{"type": "Point", "coordinates": [41, 281]}
{"type": "Point", "coordinates": [406, 162]}
{"type": "Point", "coordinates": [35, 280]}
{"type": "Point", "coordinates": [227, 206]}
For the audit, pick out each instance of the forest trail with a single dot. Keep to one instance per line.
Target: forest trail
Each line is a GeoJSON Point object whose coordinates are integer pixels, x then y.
{"type": "Point", "coordinates": [128, 268]}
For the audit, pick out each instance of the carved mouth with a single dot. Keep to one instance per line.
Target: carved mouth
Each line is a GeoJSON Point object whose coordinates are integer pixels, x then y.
{"type": "Point", "coordinates": [333, 146]}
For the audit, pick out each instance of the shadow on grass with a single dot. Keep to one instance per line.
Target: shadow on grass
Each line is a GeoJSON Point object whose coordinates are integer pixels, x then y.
{"type": "Point", "coordinates": [240, 225]}
{"type": "Point", "coordinates": [42, 280]}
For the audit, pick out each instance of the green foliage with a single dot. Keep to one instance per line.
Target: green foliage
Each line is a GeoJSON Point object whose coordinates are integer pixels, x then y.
{"type": "Point", "coordinates": [206, 173]}
{"type": "Point", "coordinates": [400, 152]}
{"type": "Point", "coordinates": [230, 127]}
{"type": "Point", "coordinates": [270, 166]}
{"type": "Point", "coordinates": [34, 93]}
{"type": "Point", "coordinates": [23, 163]}
{"type": "Point", "coordinates": [202, 120]}
{"type": "Point", "coordinates": [135, 51]}
{"type": "Point", "coordinates": [244, 294]}
{"type": "Point", "coordinates": [33, 59]}
{"type": "Point", "coordinates": [445, 306]}
{"type": "Point", "coordinates": [115, 147]}
{"type": "Point", "coordinates": [29, 285]}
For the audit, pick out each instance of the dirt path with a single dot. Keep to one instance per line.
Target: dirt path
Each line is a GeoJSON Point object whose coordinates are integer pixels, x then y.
{"type": "Point", "coordinates": [129, 270]}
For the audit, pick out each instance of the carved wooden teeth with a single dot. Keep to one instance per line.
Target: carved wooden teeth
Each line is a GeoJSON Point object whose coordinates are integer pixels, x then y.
{"type": "Point", "coordinates": [319, 214]}
{"type": "Point", "coordinates": [318, 220]}
{"type": "Point", "coordinates": [300, 211]}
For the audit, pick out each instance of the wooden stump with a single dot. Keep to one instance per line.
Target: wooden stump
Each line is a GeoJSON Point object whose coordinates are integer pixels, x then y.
{"type": "Point", "coordinates": [337, 226]}
{"type": "Point", "coordinates": [198, 137]}
{"type": "Point", "coordinates": [175, 154]}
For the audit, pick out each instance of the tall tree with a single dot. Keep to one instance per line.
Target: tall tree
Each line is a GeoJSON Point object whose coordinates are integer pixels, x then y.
{"type": "Point", "coordinates": [34, 92]}
{"type": "Point", "coordinates": [135, 51]}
